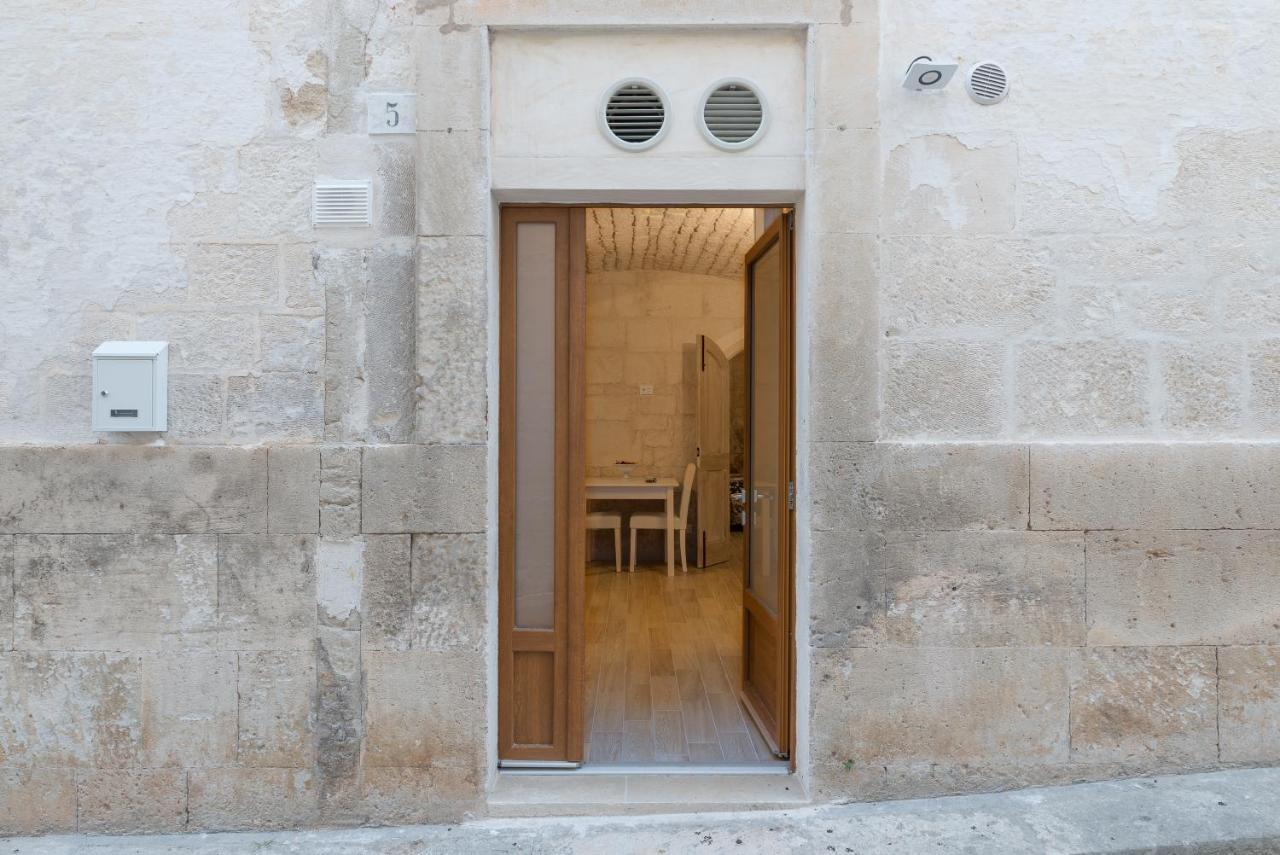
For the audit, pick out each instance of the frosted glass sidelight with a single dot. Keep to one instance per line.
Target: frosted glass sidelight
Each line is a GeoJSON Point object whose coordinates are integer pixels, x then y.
{"type": "Point", "coordinates": [766, 495]}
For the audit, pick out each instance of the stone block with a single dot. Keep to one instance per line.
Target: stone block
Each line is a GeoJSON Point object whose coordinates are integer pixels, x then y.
{"type": "Point", "coordinates": [448, 578]}
{"type": "Point", "coordinates": [106, 489]}
{"type": "Point", "coordinates": [869, 486]}
{"type": "Point", "coordinates": [847, 601]}
{"type": "Point", "coordinates": [984, 589]}
{"type": "Point", "coordinates": [397, 181]}
{"type": "Point", "coordinates": [846, 66]}
{"type": "Point", "coordinates": [461, 55]}
{"type": "Point", "coordinates": [6, 593]}
{"type": "Point", "coordinates": [1222, 177]}
{"type": "Point", "coordinates": [231, 799]}
{"type": "Point", "coordinates": [1171, 588]}
{"type": "Point", "coordinates": [197, 405]}
{"type": "Point", "coordinates": [37, 800]}
{"type": "Point", "coordinates": [1142, 705]}
{"type": "Point", "coordinates": [1249, 704]}
{"type": "Point", "coordinates": [386, 605]}
{"type": "Point", "coordinates": [339, 718]}
{"type": "Point", "coordinates": [452, 348]}
{"type": "Point", "coordinates": [274, 712]}
{"type": "Point", "coordinates": [456, 199]}
{"type": "Point", "coordinates": [843, 177]}
{"type": "Point", "coordinates": [938, 285]}
{"type": "Point", "coordinates": [188, 709]}
{"type": "Point", "coordinates": [286, 405]}
{"type": "Point", "coordinates": [423, 708]}
{"type": "Point", "coordinates": [1081, 388]}
{"type": "Point", "coordinates": [267, 592]}
{"type": "Point", "coordinates": [205, 341]}
{"type": "Point", "coordinates": [844, 339]}
{"type": "Point", "coordinates": [293, 489]}
{"type": "Point", "coordinates": [115, 591]}
{"type": "Point", "coordinates": [339, 581]}
{"type": "Point", "coordinates": [297, 267]}
{"type": "Point", "coordinates": [1204, 387]}
{"type": "Point", "coordinates": [943, 389]}
{"type": "Point", "coordinates": [70, 709]}
{"type": "Point", "coordinates": [339, 491]}
{"type": "Point", "coordinates": [876, 706]}
{"type": "Point", "coordinates": [223, 274]}
{"type": "Point", "coordinates": [275, 188]}
{"type": "Point", "coordinates": [389, 345]}
{"type": "Point", "coordinates": [131, 801]}
{"type": "Point", "coordinates": [1155, 486]}
{"type": "Point", "coordinates": [291, 343]}
{"type": "Point", "coordinates": [415, 795]}
{"type": "Point", "coordinates": [423, 489]}
{"type": "Point", "coordinates": [937, 184]}
{"type": "Point", "coordinates": [1264, 385]}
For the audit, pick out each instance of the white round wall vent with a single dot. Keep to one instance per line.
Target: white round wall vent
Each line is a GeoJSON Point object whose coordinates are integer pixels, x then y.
{"type": "Point", "coordinates": [633, 114]}
{"type": "Point", "coordinates": [987, 83]}
{"type": "Point", "coordinates": [733, 114]}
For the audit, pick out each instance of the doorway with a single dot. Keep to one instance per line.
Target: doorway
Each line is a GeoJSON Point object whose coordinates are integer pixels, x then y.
{"type": "Point", "coordinates": [646, 475]}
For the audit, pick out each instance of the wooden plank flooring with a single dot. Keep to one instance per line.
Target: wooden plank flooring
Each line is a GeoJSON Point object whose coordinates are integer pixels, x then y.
{"type": "Point", "coordinates": [663, 667]}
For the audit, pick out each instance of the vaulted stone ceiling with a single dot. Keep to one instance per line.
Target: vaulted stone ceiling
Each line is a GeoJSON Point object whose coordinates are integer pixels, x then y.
{"type": "Point", "coordinates": [710, 241]}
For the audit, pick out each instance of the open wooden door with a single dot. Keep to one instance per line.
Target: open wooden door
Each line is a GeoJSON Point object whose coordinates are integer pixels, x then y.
{"type": "Point", "coordinates": [713, 453]}
{"type": "Point", "coordinates": [768, 620]}
{"type": "Point", "coordinates": [540, 483]}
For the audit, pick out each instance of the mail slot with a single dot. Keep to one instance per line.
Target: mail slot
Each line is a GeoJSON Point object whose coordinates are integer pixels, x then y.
{"type": "Point", "coordinates": [130, 386]}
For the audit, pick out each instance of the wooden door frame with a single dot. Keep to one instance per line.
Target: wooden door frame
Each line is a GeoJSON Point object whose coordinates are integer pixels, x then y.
{"type": "Point", "coordinates": [784, 227]}
{"type": "Point", "coordinates": [574, 600]}
{"type": "Point", "coordinates": [566, 638]}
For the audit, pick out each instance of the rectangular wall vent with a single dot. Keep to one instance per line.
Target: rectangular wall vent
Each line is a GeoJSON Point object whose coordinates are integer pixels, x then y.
{"type": "Point", "coordinates": [342, 203]}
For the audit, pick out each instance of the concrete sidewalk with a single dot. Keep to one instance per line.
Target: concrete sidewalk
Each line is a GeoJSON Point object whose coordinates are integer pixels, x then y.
{"type": "Point", "coordinates": [1222, 812]}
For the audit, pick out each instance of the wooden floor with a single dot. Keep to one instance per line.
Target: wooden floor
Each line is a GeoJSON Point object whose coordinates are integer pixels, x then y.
{"type": "Point", "coordinates": [663, 667]}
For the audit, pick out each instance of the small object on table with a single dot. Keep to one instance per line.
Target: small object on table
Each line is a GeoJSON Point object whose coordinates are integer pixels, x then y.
{"type": "Point", "coordinates": [625, 467]}
{"type": "Point", "coordinates": [652, 479]}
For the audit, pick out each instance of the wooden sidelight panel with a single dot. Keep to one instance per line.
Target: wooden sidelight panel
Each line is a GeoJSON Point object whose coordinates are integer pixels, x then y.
{"type": "Point", "coordinates": [769, 554]}
{"type": "Point", "coordinates": [713, 453]}
{"type": "Point", "coordinates": [541, 504]}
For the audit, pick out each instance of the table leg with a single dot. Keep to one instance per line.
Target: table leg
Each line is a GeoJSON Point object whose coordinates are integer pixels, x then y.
{"type": "Point", "coordinates": [671, 535]}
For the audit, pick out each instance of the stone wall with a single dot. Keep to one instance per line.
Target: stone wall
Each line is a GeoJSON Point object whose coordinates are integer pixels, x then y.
{"type": "Point", "coordinates": [240, 638]}
{"type": "Point", "coordinates": [642, 329]}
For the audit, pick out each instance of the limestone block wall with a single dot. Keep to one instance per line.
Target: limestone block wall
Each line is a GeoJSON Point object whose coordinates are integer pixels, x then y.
{"type": "Point", "coordinates": [222, 637]}
{"type": "Point", "coordinates": [169, 199]}
{"type": "Point", "coordinates": [642, 329]}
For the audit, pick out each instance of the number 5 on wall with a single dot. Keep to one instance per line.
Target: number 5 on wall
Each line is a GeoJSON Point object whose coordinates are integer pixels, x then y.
{"type": "Point", "coordinates": [391, 113]}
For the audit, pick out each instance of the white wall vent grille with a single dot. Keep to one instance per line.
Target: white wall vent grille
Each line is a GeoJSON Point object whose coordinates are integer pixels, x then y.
{"type": "Point", "coordinates": [342, 203]}
{"type": "Point", "coordinates": [633, 114]}
{"type": "Point", "coordinates": [733, 114]}
{"type": "Point", "coordinates": [987, 83]}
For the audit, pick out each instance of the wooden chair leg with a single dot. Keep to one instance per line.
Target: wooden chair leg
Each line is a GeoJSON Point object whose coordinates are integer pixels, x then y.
{"type": "Point", "coordinates": [633, 550]}
{"type": "Point", "coordinates": [684, 568]}
{"type": "Point", "coordinates": [617, 549]}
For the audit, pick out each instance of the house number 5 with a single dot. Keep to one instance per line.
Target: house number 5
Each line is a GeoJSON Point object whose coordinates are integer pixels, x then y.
{"type": "Point", "coordinates": [391, 113]}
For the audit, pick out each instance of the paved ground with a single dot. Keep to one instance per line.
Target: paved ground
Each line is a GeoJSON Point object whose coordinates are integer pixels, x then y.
{"type": "Point", "coordinates": [1226, 812]}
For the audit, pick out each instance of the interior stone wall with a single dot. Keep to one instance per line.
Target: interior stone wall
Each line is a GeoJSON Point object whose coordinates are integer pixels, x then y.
{"type": "Point", "coordinates": [642, 329]}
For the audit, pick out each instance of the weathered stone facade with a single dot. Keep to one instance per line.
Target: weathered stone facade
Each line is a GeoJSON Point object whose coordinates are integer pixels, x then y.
{"type": "Point", "coordinates": [1014, 564]}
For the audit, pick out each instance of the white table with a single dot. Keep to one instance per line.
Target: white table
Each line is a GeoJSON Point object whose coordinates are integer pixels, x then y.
{"type": "Point", "coordinates": [661, 490]}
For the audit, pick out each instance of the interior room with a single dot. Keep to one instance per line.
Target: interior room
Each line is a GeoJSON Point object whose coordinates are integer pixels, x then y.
{"type": "Point", "coordinates": [666, 413]}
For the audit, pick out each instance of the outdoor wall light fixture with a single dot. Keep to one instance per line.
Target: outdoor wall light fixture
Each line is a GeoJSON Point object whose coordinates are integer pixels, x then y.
{"type": "Point", "coordinates": [924, 73]}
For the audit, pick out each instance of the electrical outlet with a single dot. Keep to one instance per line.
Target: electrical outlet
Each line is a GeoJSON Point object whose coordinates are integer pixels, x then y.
{"type": "Point", "coordinates": [646, 389]}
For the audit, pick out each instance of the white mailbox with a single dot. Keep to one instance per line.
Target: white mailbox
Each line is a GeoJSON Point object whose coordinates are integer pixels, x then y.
{"type": "Point", "coordinates": [131, 386]}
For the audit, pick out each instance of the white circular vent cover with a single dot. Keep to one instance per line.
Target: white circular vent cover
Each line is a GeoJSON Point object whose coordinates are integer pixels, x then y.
{"type": "Point", "coordinates": [633, 114]}
{"type": "Point", "coordinates": [987, 83]}
{"type": "Point", "coordinates": [733, 114]}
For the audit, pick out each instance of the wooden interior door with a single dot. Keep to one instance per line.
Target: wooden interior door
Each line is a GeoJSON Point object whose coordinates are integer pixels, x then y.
{"type": "Point", "coordinates": [541, 538]}
{"type": "Point", "coordinates": [768, 620]}
{"type": "Point", "coordinates": [713, 453]}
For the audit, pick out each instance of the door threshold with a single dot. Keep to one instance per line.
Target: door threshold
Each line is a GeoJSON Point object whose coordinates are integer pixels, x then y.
{"type": "Point", "coordinates": [779, 767]}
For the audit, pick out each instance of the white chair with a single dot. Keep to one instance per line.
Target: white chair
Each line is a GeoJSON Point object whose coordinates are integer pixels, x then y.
{"type": "Point", "coordinates": [613, 521]}
{"type": "Point", "coordinates": [651, 522]}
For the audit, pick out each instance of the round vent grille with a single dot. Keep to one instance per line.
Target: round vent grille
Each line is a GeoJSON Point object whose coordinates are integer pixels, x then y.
{"type": "Point", "coordinates": [733, 114]}
{"type": "Point", "coordinates": [633, 114]}
{"type": "Point", "coordinates": [987, 83]}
